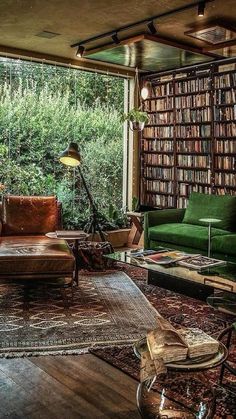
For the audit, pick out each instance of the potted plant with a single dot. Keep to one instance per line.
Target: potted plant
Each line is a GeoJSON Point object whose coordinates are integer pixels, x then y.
{"type": "Point", "coordinates": [137, 119]}
{"type": "Point", "coordinates": [115, 227]}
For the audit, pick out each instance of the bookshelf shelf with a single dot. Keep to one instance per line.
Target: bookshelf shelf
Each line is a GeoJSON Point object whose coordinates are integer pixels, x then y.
{"type": "Point", "coordinates": [189, 156]}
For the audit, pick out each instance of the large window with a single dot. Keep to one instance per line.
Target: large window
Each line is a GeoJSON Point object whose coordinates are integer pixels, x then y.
{"type": "Point", "coordinates": [42, 109]}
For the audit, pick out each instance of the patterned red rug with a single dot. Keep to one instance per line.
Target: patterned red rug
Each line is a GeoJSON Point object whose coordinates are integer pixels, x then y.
{"type": "Point", "coordinates": [184, 311]}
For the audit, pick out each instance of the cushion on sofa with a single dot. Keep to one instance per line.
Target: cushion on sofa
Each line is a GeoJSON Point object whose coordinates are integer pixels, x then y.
{"type": "Point", "coordinates": [211, 206]}
{"type": "Point", "coordinates": [29, 215]}
{"type": "Point", "coordinates": [225, 244]}
{"type": "Point", "coordinates": [193, 236]}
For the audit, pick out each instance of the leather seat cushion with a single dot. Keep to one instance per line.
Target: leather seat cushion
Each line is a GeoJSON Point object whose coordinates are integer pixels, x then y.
{"type": "Point", "coordinates": [35, 255]}
{"type": "Point", "coordinates": [192, 236]}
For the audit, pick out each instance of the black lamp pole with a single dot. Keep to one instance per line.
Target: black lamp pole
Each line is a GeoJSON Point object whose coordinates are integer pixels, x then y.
{"type": "Point", "coordinates": [71, 157]}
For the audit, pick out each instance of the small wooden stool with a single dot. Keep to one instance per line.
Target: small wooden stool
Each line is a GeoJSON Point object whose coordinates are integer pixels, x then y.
{"type": "Point", "coordinates": [137, 222]}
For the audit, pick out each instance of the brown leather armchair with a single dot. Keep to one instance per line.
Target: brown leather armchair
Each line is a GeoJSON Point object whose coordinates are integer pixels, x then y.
{"type": "Point", "coordinates": [25, 251]}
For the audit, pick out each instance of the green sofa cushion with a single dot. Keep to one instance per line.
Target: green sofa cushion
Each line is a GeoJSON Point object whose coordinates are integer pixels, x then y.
{"type": "Point", "coordinates": [211, 206]}
{"type": "Point", "coordinates": [183, 234]}
{"type": "Point", "coordinates": [224, 244]}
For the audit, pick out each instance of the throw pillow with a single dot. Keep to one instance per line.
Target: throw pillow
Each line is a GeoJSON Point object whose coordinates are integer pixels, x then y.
{"type": "Point", "coordinates": [222, 207]}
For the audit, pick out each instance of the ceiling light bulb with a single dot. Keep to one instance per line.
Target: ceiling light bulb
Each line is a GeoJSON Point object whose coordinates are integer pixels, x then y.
{"type": "Point", "coordinates": [201, 9]}
{"type": "Point", "coordinates": [144, 92]}
{"type": "Point", "coordinates": [80, 51]}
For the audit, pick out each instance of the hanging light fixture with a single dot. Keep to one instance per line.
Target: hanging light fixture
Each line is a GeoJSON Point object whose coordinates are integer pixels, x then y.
{"type": "Point", "coordinates": [145, 91]}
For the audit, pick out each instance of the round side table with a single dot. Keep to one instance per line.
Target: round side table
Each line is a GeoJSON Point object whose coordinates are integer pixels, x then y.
{"type": "Point", "coordinates": [209, 221]}
{"type": "Point", "coordinates": [76, 236]}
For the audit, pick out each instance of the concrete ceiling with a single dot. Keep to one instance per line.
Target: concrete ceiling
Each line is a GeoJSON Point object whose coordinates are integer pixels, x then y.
{"type": "Point", "coordinates": [76, 20]}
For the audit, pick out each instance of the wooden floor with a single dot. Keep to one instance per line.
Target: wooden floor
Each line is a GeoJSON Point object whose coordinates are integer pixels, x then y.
{"type": "Point", "coordinates": [68, 387]}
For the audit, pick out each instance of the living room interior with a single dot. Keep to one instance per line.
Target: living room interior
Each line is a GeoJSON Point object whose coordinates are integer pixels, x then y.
{"type": "Point", "coordinates": [117, 209]}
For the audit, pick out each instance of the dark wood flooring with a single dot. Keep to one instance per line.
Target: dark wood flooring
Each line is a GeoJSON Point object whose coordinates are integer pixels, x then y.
{"type": "Point", "coordinates": [68, 387]}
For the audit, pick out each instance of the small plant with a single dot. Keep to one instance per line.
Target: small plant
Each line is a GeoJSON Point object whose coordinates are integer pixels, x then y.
{"type": "Point", "coordinates": [135, 115]}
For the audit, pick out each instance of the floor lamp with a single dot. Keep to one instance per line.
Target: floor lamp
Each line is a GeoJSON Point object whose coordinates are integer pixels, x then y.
{"type": "Point", "coordinates": [71, 157]}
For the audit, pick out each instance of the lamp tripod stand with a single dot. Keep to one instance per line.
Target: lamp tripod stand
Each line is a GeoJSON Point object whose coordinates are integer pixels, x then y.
{"type": "Point", "coordinates": [94, 224]}
{"type": "Point", "coordinates": [71, 157]}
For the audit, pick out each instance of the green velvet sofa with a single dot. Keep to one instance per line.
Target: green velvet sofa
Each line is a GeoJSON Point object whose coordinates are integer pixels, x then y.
{"type": "Point", "coordinates": [181, 228]}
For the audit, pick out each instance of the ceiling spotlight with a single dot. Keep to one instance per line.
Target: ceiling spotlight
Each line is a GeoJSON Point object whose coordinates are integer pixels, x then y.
{"type": "Point", "coordinates": [151, 28]}
{"type": "Point", "coordinates": [80, 51]}
{"type": "Point", "coordinates": [115, 38]}
{"type": "Point", "coordinates": [201, 8]}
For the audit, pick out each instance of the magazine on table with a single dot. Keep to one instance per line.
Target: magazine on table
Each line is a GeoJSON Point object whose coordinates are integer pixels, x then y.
{"type": "Point", "coordinates": [141, 253]}
{"type": "Point", "coordinates": [200, 262]}
{"type": "Point", "coordinates": [163, 257]}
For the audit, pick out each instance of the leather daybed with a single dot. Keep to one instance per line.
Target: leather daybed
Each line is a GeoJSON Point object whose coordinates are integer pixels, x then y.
{"type": "Point", "coordinates": [25, 251]}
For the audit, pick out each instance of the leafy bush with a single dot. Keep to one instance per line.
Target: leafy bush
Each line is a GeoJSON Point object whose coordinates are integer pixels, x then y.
{"type": "Point", "coordinates": [37, 121]}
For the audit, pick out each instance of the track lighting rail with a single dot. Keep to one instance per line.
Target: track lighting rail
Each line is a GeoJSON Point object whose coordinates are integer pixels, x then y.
{"type": "Point", "coordinates": [149, 22]}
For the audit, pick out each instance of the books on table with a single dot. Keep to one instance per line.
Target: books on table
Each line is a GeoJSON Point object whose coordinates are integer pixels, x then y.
{"type": "Point", "coordinates": [200, 262]}
{"type": "Point", "coordinates": [171, 344]}
{"type": "Point", "coordinates": [161, 256]}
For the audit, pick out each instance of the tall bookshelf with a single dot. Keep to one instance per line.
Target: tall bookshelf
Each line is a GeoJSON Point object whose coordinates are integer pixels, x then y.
{"type": "Point", "coordinates": [189, 143]}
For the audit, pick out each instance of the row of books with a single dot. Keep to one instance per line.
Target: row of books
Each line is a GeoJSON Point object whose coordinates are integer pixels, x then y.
{"type": "Point", "coordinates": [182, 202]}
{"type": "Point", "coordinates": [228, 179]}
{"type": "Point", "coordinates": [158, 145]}
{"type": "Point", "coordinates": [159, 159]}
{"type": "Point", "coordinates": [158, 172]}
{"type": "Point", "coordinates": [159, 186]}
{"type": "Point", "coordinates": [196, 161]}
{"type": "Point", "coordinates": [159, 104]}
{"type": "Point", "coordinates": [155, 200]}
{"type": "Point", "coordinates": [193, 115]}
{"type": "Point", "coordinates": [225, 114]}
{"type": "Point", "coordinates": [161, 118]}
{"type": "Point", "coordinates": [223, 97]}
{"type": "Point", "coordinates": [225, 162]}
{"type": "Point", "coordinates": [163, 89]}
{"type": "Point", "coordinates": [192, 101]}
{"type": "Point", "coordinates": [225, 130]}
{"type": "Point", "coordinates": [190, 131]}
{"type": "Point", "coordinates": [225, 146]}
{"type": "Point", "coordinates": [194, 85]}
{"type": "Point", "coordinates": [197, 176]}
{"type": "Point", "coordinates": [225, 80]}
{"type": "Point", "coordinates": [186, 189]}
{"type": "Point", "coordinates": [157, 132]}
{"type": "Point", "coordinates": [224, 191]}
{"type": "Point", "coordinates": [191, 146]}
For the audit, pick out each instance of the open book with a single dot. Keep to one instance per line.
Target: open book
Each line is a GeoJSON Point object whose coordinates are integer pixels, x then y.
{"type": "Point", "coordinates": [174, 345]}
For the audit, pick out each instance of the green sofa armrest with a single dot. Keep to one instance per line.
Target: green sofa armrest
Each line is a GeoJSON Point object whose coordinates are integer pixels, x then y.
{"type": "Point", "coordinates": [154, 218]}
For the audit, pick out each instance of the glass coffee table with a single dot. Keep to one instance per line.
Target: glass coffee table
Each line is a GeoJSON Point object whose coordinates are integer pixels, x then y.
{"type": "Point", "coordinates": [180, 279]}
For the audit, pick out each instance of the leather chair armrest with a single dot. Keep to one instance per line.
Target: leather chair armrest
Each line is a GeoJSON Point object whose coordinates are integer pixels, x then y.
{"type": "Point", "coordinates": [0, 227]}
{"type": "Point", "coordinates": [154, 218]}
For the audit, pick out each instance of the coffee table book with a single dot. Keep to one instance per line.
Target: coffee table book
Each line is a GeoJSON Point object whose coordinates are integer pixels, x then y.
{"type": "Point", "coordinates": [200, 262]}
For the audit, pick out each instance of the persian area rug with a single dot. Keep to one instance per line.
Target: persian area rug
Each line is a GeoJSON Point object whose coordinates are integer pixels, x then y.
{"type": "Point", "coordinates": [108, 309]}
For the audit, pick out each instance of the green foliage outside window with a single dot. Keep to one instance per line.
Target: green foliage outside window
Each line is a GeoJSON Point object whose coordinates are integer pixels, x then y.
{"type": "Point", "coordinates": [42, 109]}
